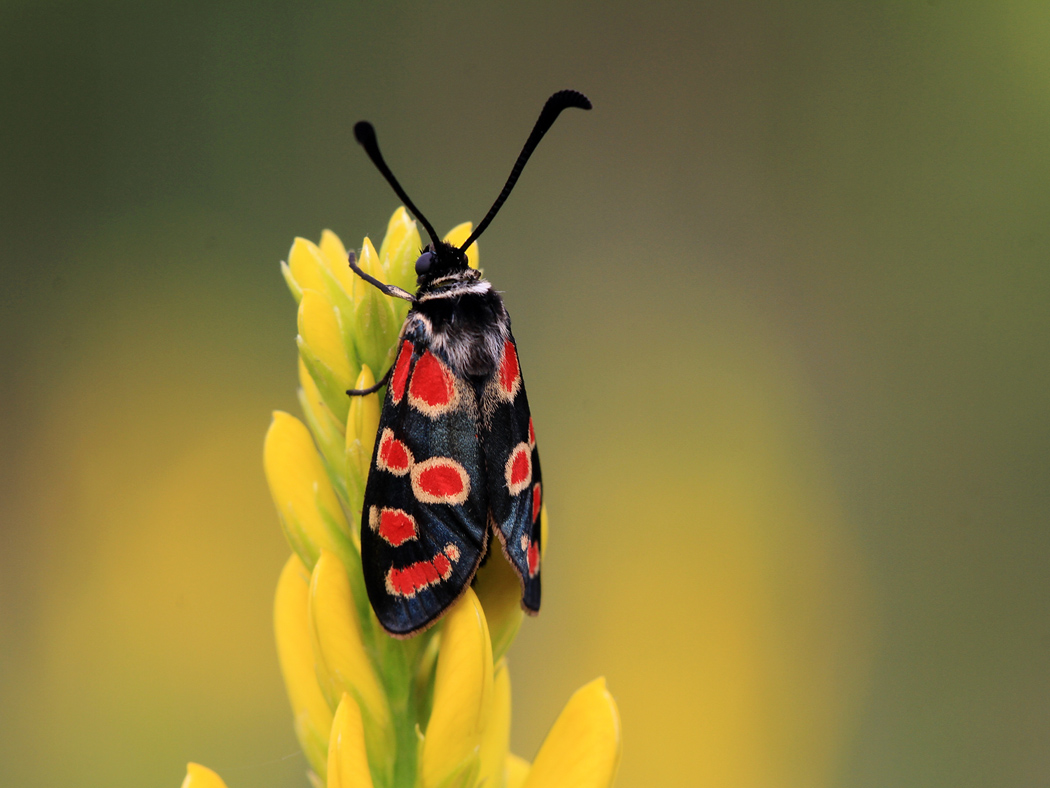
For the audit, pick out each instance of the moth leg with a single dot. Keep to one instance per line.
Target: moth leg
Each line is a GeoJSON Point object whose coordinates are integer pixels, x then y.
{"type": "Point", "coordinates": [389, 290]}
{"type": "Point", "coordinates": [371, 389]}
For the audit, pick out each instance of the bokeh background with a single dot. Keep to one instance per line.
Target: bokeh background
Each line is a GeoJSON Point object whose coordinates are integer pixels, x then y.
{"type": "Point", "coordinates": [782, 300]}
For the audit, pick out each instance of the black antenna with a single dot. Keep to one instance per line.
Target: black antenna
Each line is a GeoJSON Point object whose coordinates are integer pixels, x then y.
{"type": "Point", "coordinates": [366, 135]}
{"type": "Point", "coordinates": [563, 99]}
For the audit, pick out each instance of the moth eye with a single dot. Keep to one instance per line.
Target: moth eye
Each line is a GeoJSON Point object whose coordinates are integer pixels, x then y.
{"type": "Point", "coordinates": [423, 263]}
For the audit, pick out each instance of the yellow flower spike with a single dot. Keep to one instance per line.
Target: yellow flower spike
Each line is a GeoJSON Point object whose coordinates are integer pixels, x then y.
{"type": "Point", "coordinates": [198, 776]}
{"type": "Point", "coordinates": [462, 693]}
{"type": "Point", "coordinates": [517, 771]}
{"type": "Point", "coordinates": [458, 235]}
{"type": "Point", "coordinates": [582, 750]}
{"type": "Point", "coordinates": [335, 258]}
{"type": "Point", "coordinates": [399, 250]}
{"type": "Point", "coordinates": [499, 590]}
{"type": "Point", "coordinates": [320, 331]}
{"type": "Point", "coordinates": [496, 739]}
{"type": "Point", "coordinates": [313, 717]}
{"type": "Point", "coordinates": [306, 265]}
{"type": "Point", "coordinates": [347, 759]}
{"type": "Point", "coordinates": [362, 423]}
{"type": "Point", "coordinates": [306, 503]}
{"type": "Point", "coordinates": [342, 662]}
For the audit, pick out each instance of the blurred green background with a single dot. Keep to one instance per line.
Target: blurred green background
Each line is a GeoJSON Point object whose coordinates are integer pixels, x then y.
{"type": "Point", "coordinates": [782, 306]}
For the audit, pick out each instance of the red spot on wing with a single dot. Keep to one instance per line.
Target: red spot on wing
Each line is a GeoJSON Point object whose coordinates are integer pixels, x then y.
{"type": "Point", "coordinates": [432, 383]}
{"type": "Point", "coordinates": [533, 556]}
{"type": "Point", "coordinates": [537, 501]}
{"type": "Point", "coordinates": [394, 456]}
{"type": "Point", "coordinates": [440, 480]}
{"type": "Point", "coordinates": [400, 376]}
{"type": "Point", "coordinates": [408, 581]}
{"type": "Point", "coordinates": [509, 371]}
{"type": "Point", "coordinates": [532, 434]}
{"type": "Point", "coordinates": [396, 526]}
{"type": "Point", "coordinates": [518, 471]}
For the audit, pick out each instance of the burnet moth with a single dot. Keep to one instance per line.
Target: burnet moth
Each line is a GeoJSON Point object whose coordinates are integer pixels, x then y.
{"type": "Point", "coordinates": [455, 458]}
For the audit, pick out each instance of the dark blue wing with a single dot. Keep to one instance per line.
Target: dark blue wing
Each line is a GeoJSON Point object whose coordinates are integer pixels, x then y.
{"type": "Point", "coordinates": [514, 482]}
{"type": "Point", "coordinates": [424, 520]}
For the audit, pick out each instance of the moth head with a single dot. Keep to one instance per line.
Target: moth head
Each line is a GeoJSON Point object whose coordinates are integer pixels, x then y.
{"type": "Point", "coordinates": [437, 260]}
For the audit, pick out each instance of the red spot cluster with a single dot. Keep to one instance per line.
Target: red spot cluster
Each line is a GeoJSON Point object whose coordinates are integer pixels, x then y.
{"type": "Point", "coordinates": [396, 526]}
{"type": "Point", "coordinates": [409, 580]}
{"type": "Point", "coordinates": [400, 376]}
{"type": "Point", "coordinates": [394, 455]}
{"type": "Point", "coordinates": [432, 387]}
{"type": "Point", "coordinates": [509, 371]}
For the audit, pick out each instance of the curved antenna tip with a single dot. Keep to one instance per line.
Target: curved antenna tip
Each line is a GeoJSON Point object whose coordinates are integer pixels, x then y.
{"type": "Point", "coordinates": [570, 98]}
{"type": "Point", "coordinates": [363, 132]}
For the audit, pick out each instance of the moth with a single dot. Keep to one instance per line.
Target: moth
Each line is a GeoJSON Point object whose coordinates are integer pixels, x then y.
{"type": "Point", "coordinates": [455, 463]}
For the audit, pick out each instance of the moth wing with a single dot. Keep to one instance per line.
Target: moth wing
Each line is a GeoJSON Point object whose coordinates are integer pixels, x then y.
{"type": "Point", "coordinates": [515, 484]}
{"type": "Point", "coordinates": [423, 522]}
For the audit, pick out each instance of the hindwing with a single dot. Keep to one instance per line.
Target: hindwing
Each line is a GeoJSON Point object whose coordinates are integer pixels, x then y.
{"type": "Point", "coordinates": [514, 481]}
{"type": "Point", "coordinates": [423, 522]}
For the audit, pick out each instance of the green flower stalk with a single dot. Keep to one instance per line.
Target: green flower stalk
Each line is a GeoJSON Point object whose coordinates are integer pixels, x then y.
{"type": "Point", "coordinates": [369, 710]}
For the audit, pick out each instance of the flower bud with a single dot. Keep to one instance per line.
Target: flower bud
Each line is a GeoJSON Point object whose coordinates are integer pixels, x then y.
{"type": "Point", "coordinates": [495, 741]}
{"type": "Point", "coordinates": [291, 624]}
{"type": "Point", "coordinates": [321, 346]}
{"type": "Point", "coordinates": [198, 776]}
{"type": "Point", "coordinates": [462, 694]}
{"type": "Point", "coordinates": [342, 662]}
{"type": "Point", "coordinates": [582, 750]}
{"type": "Point", "coordinates": [306, 503]}
{"type": "Point", "coordinates": [335, 259]}
{"type": "Point", "coordinates": [399, 250]}
{"type": "Point", "coordinates": [347, 757]}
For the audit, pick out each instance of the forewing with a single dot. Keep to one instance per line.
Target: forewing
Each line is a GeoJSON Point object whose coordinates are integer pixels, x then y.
{"type": "Point", "coordinates": [514, 481]}
{"type": "Point", "coordinates": [423, 529]}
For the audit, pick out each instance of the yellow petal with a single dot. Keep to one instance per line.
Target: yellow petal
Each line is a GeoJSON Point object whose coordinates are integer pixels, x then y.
{"type": "Point", "coordinates": [292, 630]}
{"type": "Point", "coordinates": [458, 235]}
{"type": "Point", "coordinates": [495, 741]}
{"type": "Point", "coordinates": [462, 692]}
{"type": "Point", "coordinates": [342, 661]}
{"type": "Point", "coordinates": [582, 750]}
{"type": "Point", "coordinates": [517, 771]}
{"type": "Point", "coordinates": [306, 503]}
{"type": "Point", "coordinates": [347, 758]}
{"type": "Point", "coordinates": [499, 590]}
{"type": "Point", "coordinates": [400, 248]}
{"type": "Point", "coordinates": [198, 776]}
{"type": "Point", "coordinates": [335, 258]}
{"type": "Point", "coordinates": [307, 263]}
{"type": "Point", "coordinates": [320, 330]}
{"type": "Point", "coordinates": [369, 263]}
